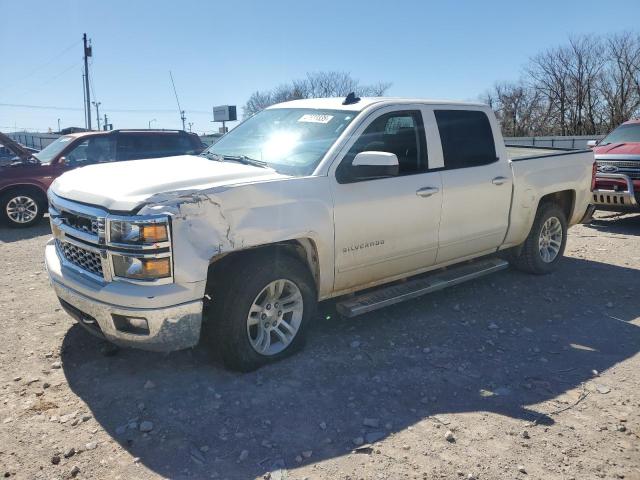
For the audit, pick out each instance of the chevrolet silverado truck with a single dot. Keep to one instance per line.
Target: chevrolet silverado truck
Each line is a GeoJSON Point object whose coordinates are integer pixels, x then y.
{"type": "Point", "coordinates": [617, 183]}
{"type": "Point", "coordinates": [364, 199]}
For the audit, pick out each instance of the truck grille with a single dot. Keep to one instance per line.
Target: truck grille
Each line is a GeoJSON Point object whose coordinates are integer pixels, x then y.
{"type": "Point", "coordinates": [632, 168]}
{"type": "Point", "coordinates": [80, 257]}
{"type": "Point", "coordinates": [84, 224]}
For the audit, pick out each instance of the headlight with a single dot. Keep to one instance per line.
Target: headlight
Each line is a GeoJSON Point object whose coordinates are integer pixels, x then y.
{"type": "Point", "coordinates": [138, 233]}
{"type": "Point", "coordinates": [141, 268]}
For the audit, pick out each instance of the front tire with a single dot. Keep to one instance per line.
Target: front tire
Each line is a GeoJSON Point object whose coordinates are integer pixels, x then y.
{"type": "Point", "coordinates": [261, 312]}
{"type": "Point", "coordinates": [544, 247]}
{"type": "Point", "coordinates": [21, 209]}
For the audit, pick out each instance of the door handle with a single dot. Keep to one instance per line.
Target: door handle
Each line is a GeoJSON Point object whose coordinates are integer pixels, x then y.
{"type": "Point", "coordinates": [427, 191]}
{"type": "Point", "coordinates": [499, 180]}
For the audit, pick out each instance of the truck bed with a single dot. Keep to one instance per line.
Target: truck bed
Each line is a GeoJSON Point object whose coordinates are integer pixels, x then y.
{"type": "Point", "coordinates": [554, 170]}
{"type": "Point", "coordinates": [524, 152]}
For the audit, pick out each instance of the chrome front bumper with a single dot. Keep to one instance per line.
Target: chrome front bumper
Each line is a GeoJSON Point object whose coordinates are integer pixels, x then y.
{"type": "Point", "coordinates": [625, 199]}
{"type": "Point", "coordinates": [170, 326]}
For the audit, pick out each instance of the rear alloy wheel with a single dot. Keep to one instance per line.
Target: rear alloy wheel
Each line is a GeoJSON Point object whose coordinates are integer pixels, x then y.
{"type": "Point", "coordinates": [544, 246]}
{"type": "Point", "coordinates": [550, 239]}
{"type": "Point", "coordinates": [21, 209]}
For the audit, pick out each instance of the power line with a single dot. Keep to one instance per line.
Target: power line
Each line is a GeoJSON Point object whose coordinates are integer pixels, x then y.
{"type": "Point", "coordinates": [118, 110]}
{"type": "Point", "coordinates": [47, 63]}
{"type": "Point", "coordinates": [49, 80]}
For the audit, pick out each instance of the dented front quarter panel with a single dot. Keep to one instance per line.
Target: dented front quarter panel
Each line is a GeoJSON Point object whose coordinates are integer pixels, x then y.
{"type": "Point", "coordinates": [210, 222]}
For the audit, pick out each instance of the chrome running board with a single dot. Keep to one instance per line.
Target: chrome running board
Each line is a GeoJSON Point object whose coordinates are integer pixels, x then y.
{"type": "Point", "coordinates": [413, 288]}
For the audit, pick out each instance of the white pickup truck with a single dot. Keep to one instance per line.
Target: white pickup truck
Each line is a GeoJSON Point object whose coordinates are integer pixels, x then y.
{"type": "Point", "coordinates": [305, 201]}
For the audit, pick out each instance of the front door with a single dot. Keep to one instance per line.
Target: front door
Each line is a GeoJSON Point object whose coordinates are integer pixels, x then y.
{"type": "Point", "coordinates": [386, 227]}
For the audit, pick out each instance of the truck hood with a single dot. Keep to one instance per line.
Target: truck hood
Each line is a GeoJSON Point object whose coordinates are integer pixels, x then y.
{"type": "Point", "coordinates": [123, 186]}
{"type": "Point", "coordinates": [630, 148]}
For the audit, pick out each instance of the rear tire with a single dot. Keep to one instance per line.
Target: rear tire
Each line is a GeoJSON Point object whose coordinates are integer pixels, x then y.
{"type": "Point", "coordinates": [544, 247]}
{"type": "Point", "coordinates": [236, 318]}
{"type": "Point", "coordinates": [21, 208]}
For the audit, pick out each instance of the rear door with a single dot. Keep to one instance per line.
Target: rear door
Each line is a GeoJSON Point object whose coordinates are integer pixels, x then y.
{"type": "Point", "coordinates": [386, 227]}
{"type": "Point", "coordinates": [476, 184]}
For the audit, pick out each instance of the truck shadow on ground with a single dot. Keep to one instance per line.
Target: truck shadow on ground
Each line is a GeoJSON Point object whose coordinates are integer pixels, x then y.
{"type": "Point", "coordinates": [616, 223]}
{"type": "Point", "coordinates": [503, 345]}
{"type": "Point", "coordinates": [8, 234]}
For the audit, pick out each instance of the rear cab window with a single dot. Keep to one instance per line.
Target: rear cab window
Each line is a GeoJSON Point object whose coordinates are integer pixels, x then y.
{"type": "Point", "coordinates": [466, 137]}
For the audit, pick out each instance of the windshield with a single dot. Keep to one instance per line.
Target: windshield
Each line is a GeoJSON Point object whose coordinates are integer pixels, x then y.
{"type": "Point", "coordinates": [289, 140]}
{"type": "Point", "coordinates": [52, 150]}
{"type": "Point", "coordinates": [623, 134]}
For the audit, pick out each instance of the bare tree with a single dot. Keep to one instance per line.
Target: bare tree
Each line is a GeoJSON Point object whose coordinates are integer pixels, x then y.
{"type": "Point", "coordinates": [314, 85]}
{"type": "Point", "coordinates": [620, 82]}
{"type": "Point", "coordinates": [588, 86]}
{"type": "Point", "coordinates": [517, 107]}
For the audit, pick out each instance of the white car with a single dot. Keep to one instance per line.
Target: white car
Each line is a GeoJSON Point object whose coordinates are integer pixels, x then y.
{"type": "Point", "coordinates": [305, 201]}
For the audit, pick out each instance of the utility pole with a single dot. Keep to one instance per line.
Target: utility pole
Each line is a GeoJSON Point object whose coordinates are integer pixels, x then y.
{"type": "Point", "coordinates": [106, 123]}
{"type": "Point", "coordinates": [87, 54]}
{"type": "Point", "coordinates": [97, 105]}
{"type": "Point", "coordinates": [150, 121]}
{"type": "Point", "coordinates": [58, 125]}
{"type": "Point", "coordinates": [190, 125]}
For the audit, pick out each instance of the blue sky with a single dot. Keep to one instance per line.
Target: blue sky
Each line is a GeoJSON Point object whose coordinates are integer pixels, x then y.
{"type": "Point", "coordinates": [220, 52]}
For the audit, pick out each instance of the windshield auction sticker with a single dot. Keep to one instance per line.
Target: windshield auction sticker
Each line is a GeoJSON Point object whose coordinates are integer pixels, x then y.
{"type": "Point", "coordinates": [315, 118]}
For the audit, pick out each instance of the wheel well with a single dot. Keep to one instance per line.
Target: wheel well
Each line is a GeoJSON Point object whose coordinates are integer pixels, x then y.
{"type": "Point", "coordinates": [34, 190]}
{"type": "Point", "coordinates": [303, 249]}
{"type": "Point", "coordinates": [564, 199]}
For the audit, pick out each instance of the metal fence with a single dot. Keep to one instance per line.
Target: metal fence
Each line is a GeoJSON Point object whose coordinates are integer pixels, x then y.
{"type": "Point", "coordinates": [579, 141]}
{"type": "Point", "coordinates": [33, 139]}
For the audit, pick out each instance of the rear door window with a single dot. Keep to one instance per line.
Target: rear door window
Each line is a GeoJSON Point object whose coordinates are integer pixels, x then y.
{"type": "Point", "coordinates": [466, 137]}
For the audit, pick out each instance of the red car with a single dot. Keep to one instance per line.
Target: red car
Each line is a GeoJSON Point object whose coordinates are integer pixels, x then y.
{"type": "Point", "coordinates": [617, 182]}
{"type": "Point", "coordinates": [24, 183]}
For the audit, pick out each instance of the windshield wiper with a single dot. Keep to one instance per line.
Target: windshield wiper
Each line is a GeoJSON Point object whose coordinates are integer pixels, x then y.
{"type": "Point", "coordinates": [211, 156]}
{"type": "Point", "coordinates": [245, 160]}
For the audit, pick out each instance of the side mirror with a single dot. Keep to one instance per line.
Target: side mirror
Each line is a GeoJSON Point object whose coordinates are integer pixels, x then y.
{"type": "Point", "coordinates": [369, 165]}
{"type": "Point", "coordinates": [62, 160]}
{"type": "Point", "coordinates": [592, 143]}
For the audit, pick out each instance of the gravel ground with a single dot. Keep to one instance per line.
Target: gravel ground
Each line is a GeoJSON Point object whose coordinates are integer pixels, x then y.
{"type": "Point", "coordinates": [511, 376]}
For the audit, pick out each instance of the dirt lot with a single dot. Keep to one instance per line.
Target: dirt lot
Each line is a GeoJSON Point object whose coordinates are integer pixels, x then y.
{"type": "Point", "coordinates": [528, 377]}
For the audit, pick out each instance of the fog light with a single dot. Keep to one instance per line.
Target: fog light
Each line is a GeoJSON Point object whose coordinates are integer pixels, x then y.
{"type": "Point", "coordinates": [135, 325]}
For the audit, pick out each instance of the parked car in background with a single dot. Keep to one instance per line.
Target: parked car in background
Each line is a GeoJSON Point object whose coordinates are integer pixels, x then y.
{"type": "Point", "coordinates": [617, 182]}
{"type": "Point", "coordinates": [9, 153]}
{"type": "Point", "coordinates": [24, 183]}
{"type": "Point", "coordinates": [305, 201]}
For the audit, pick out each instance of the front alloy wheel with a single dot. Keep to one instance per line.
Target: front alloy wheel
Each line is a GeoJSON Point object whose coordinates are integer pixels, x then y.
{"type": "Point", "coordinates": [275, 317]}
{"type": "Point", "coordinates": [262, 304]}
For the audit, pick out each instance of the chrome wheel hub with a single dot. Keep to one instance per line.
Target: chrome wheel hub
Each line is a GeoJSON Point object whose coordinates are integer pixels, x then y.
{"type": "Point", "coordinates": [275, 317]}
{"type": "Point", "coordinates": [550, 239]}
{"type": "Point", "coordinates": [22, 209]}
